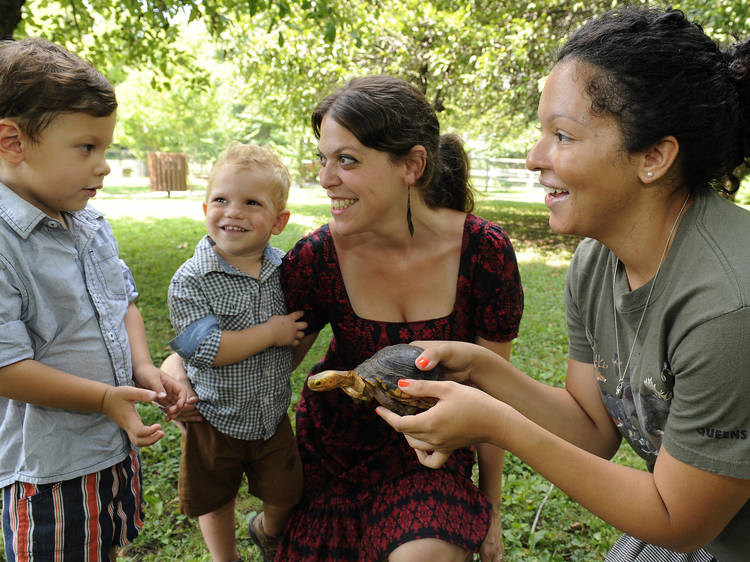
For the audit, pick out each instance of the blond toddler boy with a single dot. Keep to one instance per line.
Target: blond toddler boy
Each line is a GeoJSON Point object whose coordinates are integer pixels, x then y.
{"type": "Point", "coordinates": [235, 336]}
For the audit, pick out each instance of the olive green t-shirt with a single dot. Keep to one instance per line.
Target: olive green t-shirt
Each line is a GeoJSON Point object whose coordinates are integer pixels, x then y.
{"type": "Point", "coordinates": [687, 385]}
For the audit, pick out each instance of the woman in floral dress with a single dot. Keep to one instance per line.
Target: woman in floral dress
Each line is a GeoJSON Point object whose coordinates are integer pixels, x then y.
{"type": "Point", "coordinates": [402, 259]}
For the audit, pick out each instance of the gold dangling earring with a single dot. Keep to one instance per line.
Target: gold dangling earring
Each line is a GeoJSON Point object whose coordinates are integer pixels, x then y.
{"type": "Point", "coordinates": [408, 211]}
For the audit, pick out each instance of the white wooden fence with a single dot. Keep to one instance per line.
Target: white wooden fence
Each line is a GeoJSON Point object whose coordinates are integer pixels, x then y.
{"type": "Point", "coordinates": [502, 173]}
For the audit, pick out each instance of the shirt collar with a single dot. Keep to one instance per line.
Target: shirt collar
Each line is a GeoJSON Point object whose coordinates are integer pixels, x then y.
{"type": "Point", "coordinates": [208, 260]}
{"type": "Point", "coordinates": [23, 217]}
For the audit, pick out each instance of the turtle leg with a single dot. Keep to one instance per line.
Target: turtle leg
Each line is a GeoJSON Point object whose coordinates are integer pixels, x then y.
{"type": "Point", "coordinates": [356, 387]}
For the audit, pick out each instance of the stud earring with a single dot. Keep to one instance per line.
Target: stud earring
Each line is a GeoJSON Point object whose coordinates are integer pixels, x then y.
{"type": "Point", "coordinates": [649, 174]}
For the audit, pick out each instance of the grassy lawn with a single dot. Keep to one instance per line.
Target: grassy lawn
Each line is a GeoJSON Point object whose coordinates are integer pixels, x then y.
{"type": "Point", "coordinates": [154, 248]}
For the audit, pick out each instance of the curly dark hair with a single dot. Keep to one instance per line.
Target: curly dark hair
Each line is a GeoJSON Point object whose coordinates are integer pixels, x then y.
{"type": "Point", "coordinates": [391, 115]}
{"type": "Point", "coordinates": [40, 80]}
{"type": "Point", "coordinates": [658, 74]}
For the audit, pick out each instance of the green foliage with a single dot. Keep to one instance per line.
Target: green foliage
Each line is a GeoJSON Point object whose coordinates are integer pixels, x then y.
{"type": "Point", "coordinates": [726, 21]}
{"type": "Point", "coordinates": [479, 61]}
{"type": "Point", "coordinates": [118, 36]}
{"type": "Point", "coordinates": [743, 194]}
{"type": "Point", "coordinates": [115, 36]}
{"type": "Point", "coordinates": [182, 118]}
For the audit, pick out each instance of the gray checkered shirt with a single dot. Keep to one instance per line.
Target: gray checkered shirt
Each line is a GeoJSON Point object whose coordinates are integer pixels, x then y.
{"type": "Point", "coordinates": [244, 400]}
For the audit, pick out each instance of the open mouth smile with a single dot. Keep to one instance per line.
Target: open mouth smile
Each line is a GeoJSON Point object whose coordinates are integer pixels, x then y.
{"type": "Point", "coordinates": [554, 191]}
{"type": "Point", "coordinates": [341, 204]}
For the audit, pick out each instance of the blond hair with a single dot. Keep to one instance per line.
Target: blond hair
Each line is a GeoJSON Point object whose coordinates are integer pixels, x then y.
{"type": "Point", "coordinates": [254, 157]}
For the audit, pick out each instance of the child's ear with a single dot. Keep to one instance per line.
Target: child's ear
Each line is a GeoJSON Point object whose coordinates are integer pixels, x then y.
{"type": "Point", "coordinates": [205, 208]}
{"type": "Point", "coordinates": [11, 149]}
{"type": "Point", "coordinates": [281, 219]}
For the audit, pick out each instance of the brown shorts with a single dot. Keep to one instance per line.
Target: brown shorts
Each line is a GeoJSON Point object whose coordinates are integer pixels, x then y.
{"type": "Point", "coordinates": [213, 463]}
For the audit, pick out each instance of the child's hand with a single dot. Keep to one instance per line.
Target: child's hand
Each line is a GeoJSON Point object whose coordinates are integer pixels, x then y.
{"type": "Point", "coordinates": [175, 370]}
{"type": "Point", "coordinates": [176, 395]}
{"type": "Point", "coordinates": [184, 406]}
{"type": "Point", "coordinates": [171, 393]}
{"type": "Point", "coordinates": [119, 406]}
{"type": "Point", "coordinates": [287, 330]}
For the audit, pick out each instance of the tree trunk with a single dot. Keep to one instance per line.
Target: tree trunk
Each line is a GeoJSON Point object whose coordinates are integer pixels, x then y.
{"type": "Point", "coordinates": [10, 17]}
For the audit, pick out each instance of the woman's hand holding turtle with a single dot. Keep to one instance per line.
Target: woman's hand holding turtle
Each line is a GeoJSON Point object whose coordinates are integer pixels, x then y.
{"type": "Point", "coordinates": [457, 358]}
{"type": "Point", "coordinates": [462, 416]}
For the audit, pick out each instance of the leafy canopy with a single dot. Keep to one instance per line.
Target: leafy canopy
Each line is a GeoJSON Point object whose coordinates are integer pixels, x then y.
{"type": "Point", "coordinates": [197, 73]}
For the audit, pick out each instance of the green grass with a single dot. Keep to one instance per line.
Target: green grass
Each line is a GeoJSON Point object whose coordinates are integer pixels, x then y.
{"type": "Point", "coordinates": [565, 531]}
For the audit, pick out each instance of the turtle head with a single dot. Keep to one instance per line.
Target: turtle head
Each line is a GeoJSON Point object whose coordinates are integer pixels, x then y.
{"type": "Point", "coordinates": [328, 380]}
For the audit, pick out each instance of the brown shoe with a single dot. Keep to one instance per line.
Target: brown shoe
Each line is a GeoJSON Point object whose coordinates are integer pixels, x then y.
{"type": "Point", "coordinates": [267, 545]}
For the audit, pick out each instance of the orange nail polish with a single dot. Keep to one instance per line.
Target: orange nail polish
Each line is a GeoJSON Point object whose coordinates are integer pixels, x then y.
{"type": "Point", "coordinates": [403, 383]}
{"type": "Point", "coordinates": [423, 362]}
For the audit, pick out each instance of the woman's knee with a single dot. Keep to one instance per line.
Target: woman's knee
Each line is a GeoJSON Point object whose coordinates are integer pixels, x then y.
{"type": "Point", "coordinates": [429, 550]}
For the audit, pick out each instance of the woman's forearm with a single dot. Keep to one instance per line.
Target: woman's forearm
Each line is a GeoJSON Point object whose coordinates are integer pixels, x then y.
{"type": "Point", "coordinates": [574, 413]}
{"type": "Point", "coordinates": [491, 460]}
{"type": "Point", "coordinates": [678, 506]}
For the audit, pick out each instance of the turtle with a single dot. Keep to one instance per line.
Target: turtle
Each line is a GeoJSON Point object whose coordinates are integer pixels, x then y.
{"type": "Point", "coordinates": [377, 379]}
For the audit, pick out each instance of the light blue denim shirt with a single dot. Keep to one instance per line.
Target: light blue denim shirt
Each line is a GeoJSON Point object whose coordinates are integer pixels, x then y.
{"type": "Point", "coordinates": [64, 294]}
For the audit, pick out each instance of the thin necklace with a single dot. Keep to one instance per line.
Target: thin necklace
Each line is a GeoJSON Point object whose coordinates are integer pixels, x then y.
{"type": "Point", "coordinates": [621, 372]}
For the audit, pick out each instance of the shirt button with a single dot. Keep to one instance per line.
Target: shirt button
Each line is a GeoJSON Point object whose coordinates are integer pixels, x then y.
{"type": "Point", "coordinates": [52, 224]}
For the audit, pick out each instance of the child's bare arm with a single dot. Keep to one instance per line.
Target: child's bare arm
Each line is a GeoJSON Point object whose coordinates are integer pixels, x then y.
{"type": "Point", "coordinates": [33, 382]}
{"type": "Point", "coordinates": [278, 330]}
{"type": "Point", "coordinates": [169, 393]}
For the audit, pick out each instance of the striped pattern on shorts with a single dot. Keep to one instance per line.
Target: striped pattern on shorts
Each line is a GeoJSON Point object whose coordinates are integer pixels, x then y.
{"type": "Point", "coordinates": [630, 549]}
{"type": "Point", "coordinates": [79, 520]}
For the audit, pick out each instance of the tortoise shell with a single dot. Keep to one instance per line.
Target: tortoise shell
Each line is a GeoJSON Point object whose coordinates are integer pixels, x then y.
{"type": "Point", "coordinates": [377, 379]}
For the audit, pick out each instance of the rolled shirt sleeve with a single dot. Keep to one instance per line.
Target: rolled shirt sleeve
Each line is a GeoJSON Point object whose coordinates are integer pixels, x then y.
{"type": "Point", "coordinates": [197, 327]}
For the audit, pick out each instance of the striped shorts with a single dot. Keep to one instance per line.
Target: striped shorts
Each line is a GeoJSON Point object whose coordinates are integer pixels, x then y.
{"type": "Point", "coordinates": [630, 549]}
{"type": "Point", "coordinates": [79, 520]}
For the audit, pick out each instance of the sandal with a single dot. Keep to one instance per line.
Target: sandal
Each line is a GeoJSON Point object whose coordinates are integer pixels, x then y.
{"type": "Point", "coordinates": [267, 545]}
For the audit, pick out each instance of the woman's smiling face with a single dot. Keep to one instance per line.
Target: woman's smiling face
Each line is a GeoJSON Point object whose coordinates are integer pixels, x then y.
{"type": "Point", "coordinates": [588, 177]}
{"type": "Point", "coordinates": [365, 186]}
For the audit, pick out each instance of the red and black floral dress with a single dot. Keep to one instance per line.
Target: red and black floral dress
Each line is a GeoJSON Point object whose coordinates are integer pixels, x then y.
{"type": "Point", "coordinates": [365, 491]}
